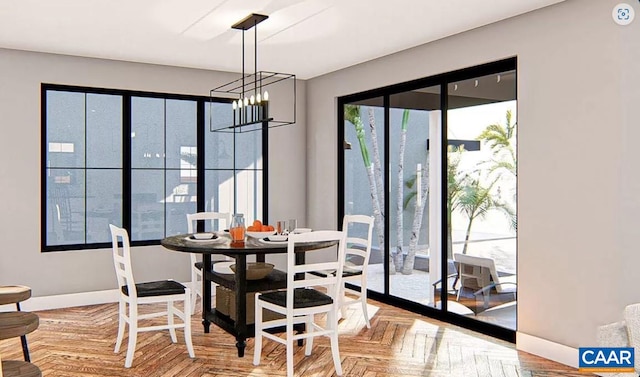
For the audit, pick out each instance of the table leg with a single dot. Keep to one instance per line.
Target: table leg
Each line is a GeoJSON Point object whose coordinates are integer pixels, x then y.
{"type": "Point", "coordinates": [241, 303]}
{"type": "Point", "coordinates": [206, 291]}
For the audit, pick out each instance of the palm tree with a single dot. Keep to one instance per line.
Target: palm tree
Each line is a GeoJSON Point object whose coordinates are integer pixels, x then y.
{"type": "Point", "coordinates": [501, 141]}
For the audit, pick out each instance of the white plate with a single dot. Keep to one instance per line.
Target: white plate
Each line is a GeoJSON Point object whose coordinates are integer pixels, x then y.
{"type": "Point", "coordinates": [203, 236]}
{"type": "Point", "coordinates": [273, 242]}
{"type": "Point", "coordinates": [211, 240]}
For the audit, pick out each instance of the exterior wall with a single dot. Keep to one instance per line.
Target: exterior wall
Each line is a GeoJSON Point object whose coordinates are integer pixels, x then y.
{"type": "Point", "coordinates": [578, 91]}
{"type": "Point", "coordinates": [57, 273]}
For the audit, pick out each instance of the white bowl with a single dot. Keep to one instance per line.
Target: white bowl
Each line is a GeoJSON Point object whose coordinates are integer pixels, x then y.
{"type": "Point", "coordinates": [203, 236]}
{"type": "Point", "coordinates": [260, 234]}
{"type": "Point", "coordinates": [278, 238]}
{"type": "Point", "coordinates": [301, 230]}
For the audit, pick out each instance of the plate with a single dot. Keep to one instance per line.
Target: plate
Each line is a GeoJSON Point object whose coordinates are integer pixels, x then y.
{"type": "Point", "coordinates": [279, 241]}
{"type": "Point", "coordinates": [210, 240]}
{"type": "Point", "coordinates": [203, 236]}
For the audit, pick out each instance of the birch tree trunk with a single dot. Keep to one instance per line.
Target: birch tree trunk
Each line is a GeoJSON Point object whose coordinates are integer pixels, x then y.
{"type": "Point", "coordinates": [409, 262]}
{"type": "Point", "coordinates": [376, 171]}
{"type": "Point", "coordinates": [377, 213]}
{"type": "Point", "coordinates": [376, 156]}
{"type": "Point", "coordinates": [399, 259]}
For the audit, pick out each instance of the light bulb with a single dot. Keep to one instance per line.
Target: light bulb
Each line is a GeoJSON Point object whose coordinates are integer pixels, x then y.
{"type": "Point", "coordinates": [234, 105]}
{"type": "Point", "coordinates": [252, 99]}
{"type": "Point", "coordinates": [258, 98]}
{"type": "Point", "coordinates": [239, 104]}
{"type": "Point", "coordinates": [246, 101]}
{"type": "Point", "coordinates": [265, 96]}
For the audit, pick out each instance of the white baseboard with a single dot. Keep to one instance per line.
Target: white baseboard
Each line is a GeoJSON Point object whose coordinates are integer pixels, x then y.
{"type": "Point", "coordinates": [65, 301]}
{"type": "Point", "coordinates": [549, 350]}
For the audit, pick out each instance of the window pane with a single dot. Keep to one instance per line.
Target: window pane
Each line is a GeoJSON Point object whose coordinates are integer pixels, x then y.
{"type": "Point", "coordinates": [181, 132]}
{"type": "Point", "coordinates": [65, 206]}
{"type": "Point", "coordinates": [359, 179]}
{"type": "Point", "coordinates": [250, 193]}
{"type": "Point", "coordinates": [147, 132]}
{"type": "Point", "coordinates": [482, 131]}
{"type": "Point", "coordinates": [218, 145]}
{"type": "Point", "coordinates": [104, 131]}
{"type": "Point", "coordinates": [65, 129]}
{"type": "Point", "coordinates": [180, 199]}
{"type": "Point", "coordinates": [104, 203]}
{"type": "Point", "coordinates": [219, 191]}
{"type": "Point", "coordinates": [249, 150]}
{"type": "Point", "coordinates": [147, 204]}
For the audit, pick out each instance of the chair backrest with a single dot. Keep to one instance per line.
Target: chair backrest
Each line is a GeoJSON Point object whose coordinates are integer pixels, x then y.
{"type": "Point", "coordinates": [335, 263]}
{"type": "Point", "coordinates": [358, 246]}
{"type": "Point", "coordinates": [482, 269]}
{"type": "Point", "coordinates": [122, 260]}
{"type": "Point", "coordinates": [214, 217]}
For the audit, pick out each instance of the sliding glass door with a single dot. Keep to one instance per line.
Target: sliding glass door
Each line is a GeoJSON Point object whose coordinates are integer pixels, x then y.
{"type": "Point", "coordinates": [434, 161]}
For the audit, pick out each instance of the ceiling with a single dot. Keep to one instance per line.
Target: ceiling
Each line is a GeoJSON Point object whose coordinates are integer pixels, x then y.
{"type": "Point", "coordinates": [304, 37]}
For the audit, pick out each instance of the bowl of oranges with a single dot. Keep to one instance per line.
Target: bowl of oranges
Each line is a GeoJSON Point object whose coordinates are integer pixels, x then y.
{"type": "Point", "coordinates": [260, 230]}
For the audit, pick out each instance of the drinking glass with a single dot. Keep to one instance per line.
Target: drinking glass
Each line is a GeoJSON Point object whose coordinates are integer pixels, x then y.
{"type": "Point", "coordinates": [293, 225]}
{"type": "Point", "coordinates": [281, 227]}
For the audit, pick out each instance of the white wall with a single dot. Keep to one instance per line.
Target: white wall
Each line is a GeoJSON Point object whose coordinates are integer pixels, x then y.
{"type": "Point", "coordinates": [578, 130]}
{"type": "Point", "coordinates": [55, 273]}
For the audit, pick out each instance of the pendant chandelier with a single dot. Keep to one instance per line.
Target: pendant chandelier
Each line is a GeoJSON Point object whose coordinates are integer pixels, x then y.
{"type": "Point", "coordinates": [259, 100]}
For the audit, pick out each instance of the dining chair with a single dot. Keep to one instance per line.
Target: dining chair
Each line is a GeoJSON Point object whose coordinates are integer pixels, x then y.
{"type": "Point", "coordinates": [301, 302]}
{"type": "Point", "coordinates": [357, 253]}
{"type": "Point", "coordinates": [196, 265]}
{"type": "Point", "coordinates": [133, 294]}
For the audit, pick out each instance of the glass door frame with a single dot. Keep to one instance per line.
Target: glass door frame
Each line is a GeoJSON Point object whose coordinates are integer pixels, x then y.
{"type": "Point", "coordinates": [442, 80]}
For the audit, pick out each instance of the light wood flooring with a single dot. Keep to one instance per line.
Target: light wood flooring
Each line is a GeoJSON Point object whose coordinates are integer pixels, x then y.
{"type": "Point", "coordinates": [79, 342]}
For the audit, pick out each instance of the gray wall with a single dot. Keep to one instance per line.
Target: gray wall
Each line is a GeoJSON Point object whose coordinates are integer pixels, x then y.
{"type": "Point", "coordinates": [21, 261]}
{"type": "Point", "coordinates": [579, 182]}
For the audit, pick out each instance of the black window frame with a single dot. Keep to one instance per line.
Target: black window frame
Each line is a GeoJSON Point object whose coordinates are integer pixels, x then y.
{"type": "Point", "coordinates": [127, 95]}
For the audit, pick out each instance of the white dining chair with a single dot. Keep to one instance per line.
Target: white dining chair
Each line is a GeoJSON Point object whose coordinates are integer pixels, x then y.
{"type": "Point", "coordinates": [196, 265]}
{"type": "Point", "coordinates": [359, 249]}
{"type": "Point", "coordinates": [133, 294]}
{"type": "Point", "coordinates": [301, 302]}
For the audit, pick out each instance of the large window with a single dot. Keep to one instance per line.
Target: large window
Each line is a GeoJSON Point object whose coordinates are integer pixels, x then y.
{"type": "Point", "coordinates": [135, 159]}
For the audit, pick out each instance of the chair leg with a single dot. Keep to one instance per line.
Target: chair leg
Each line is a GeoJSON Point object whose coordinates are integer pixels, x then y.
{"type": "Point", "coordinates": [187, 324]}
{"type": "Point", "coordinates": [343, 307]}
{"type": "Point", "coordinates": [310, 329]}
{"type": "Point", "coordinates": [257, 350]}
{"type": "Point", "coordinates": [23, 340]}
{"type": "Point", "coordinates": [133, 335]}
{"type": "Point", "coordinates": [121, 325]}
{"type": "Point", "coordinates": [289, 343]}
{"type": "Point", "coordinates": [363, 300]}
{"type": "Point", "coordinates": [335, 351]}
{"type": "Point", "coordinates": [170, 321]}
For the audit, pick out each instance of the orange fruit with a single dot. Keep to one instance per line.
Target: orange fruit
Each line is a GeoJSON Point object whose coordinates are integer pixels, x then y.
{"type": "Point", "coordinates": [257, 224]}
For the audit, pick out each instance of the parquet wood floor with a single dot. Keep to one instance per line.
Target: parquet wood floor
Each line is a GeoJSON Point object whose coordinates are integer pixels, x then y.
{"type": "Point", "coordinates": [79, 341]}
